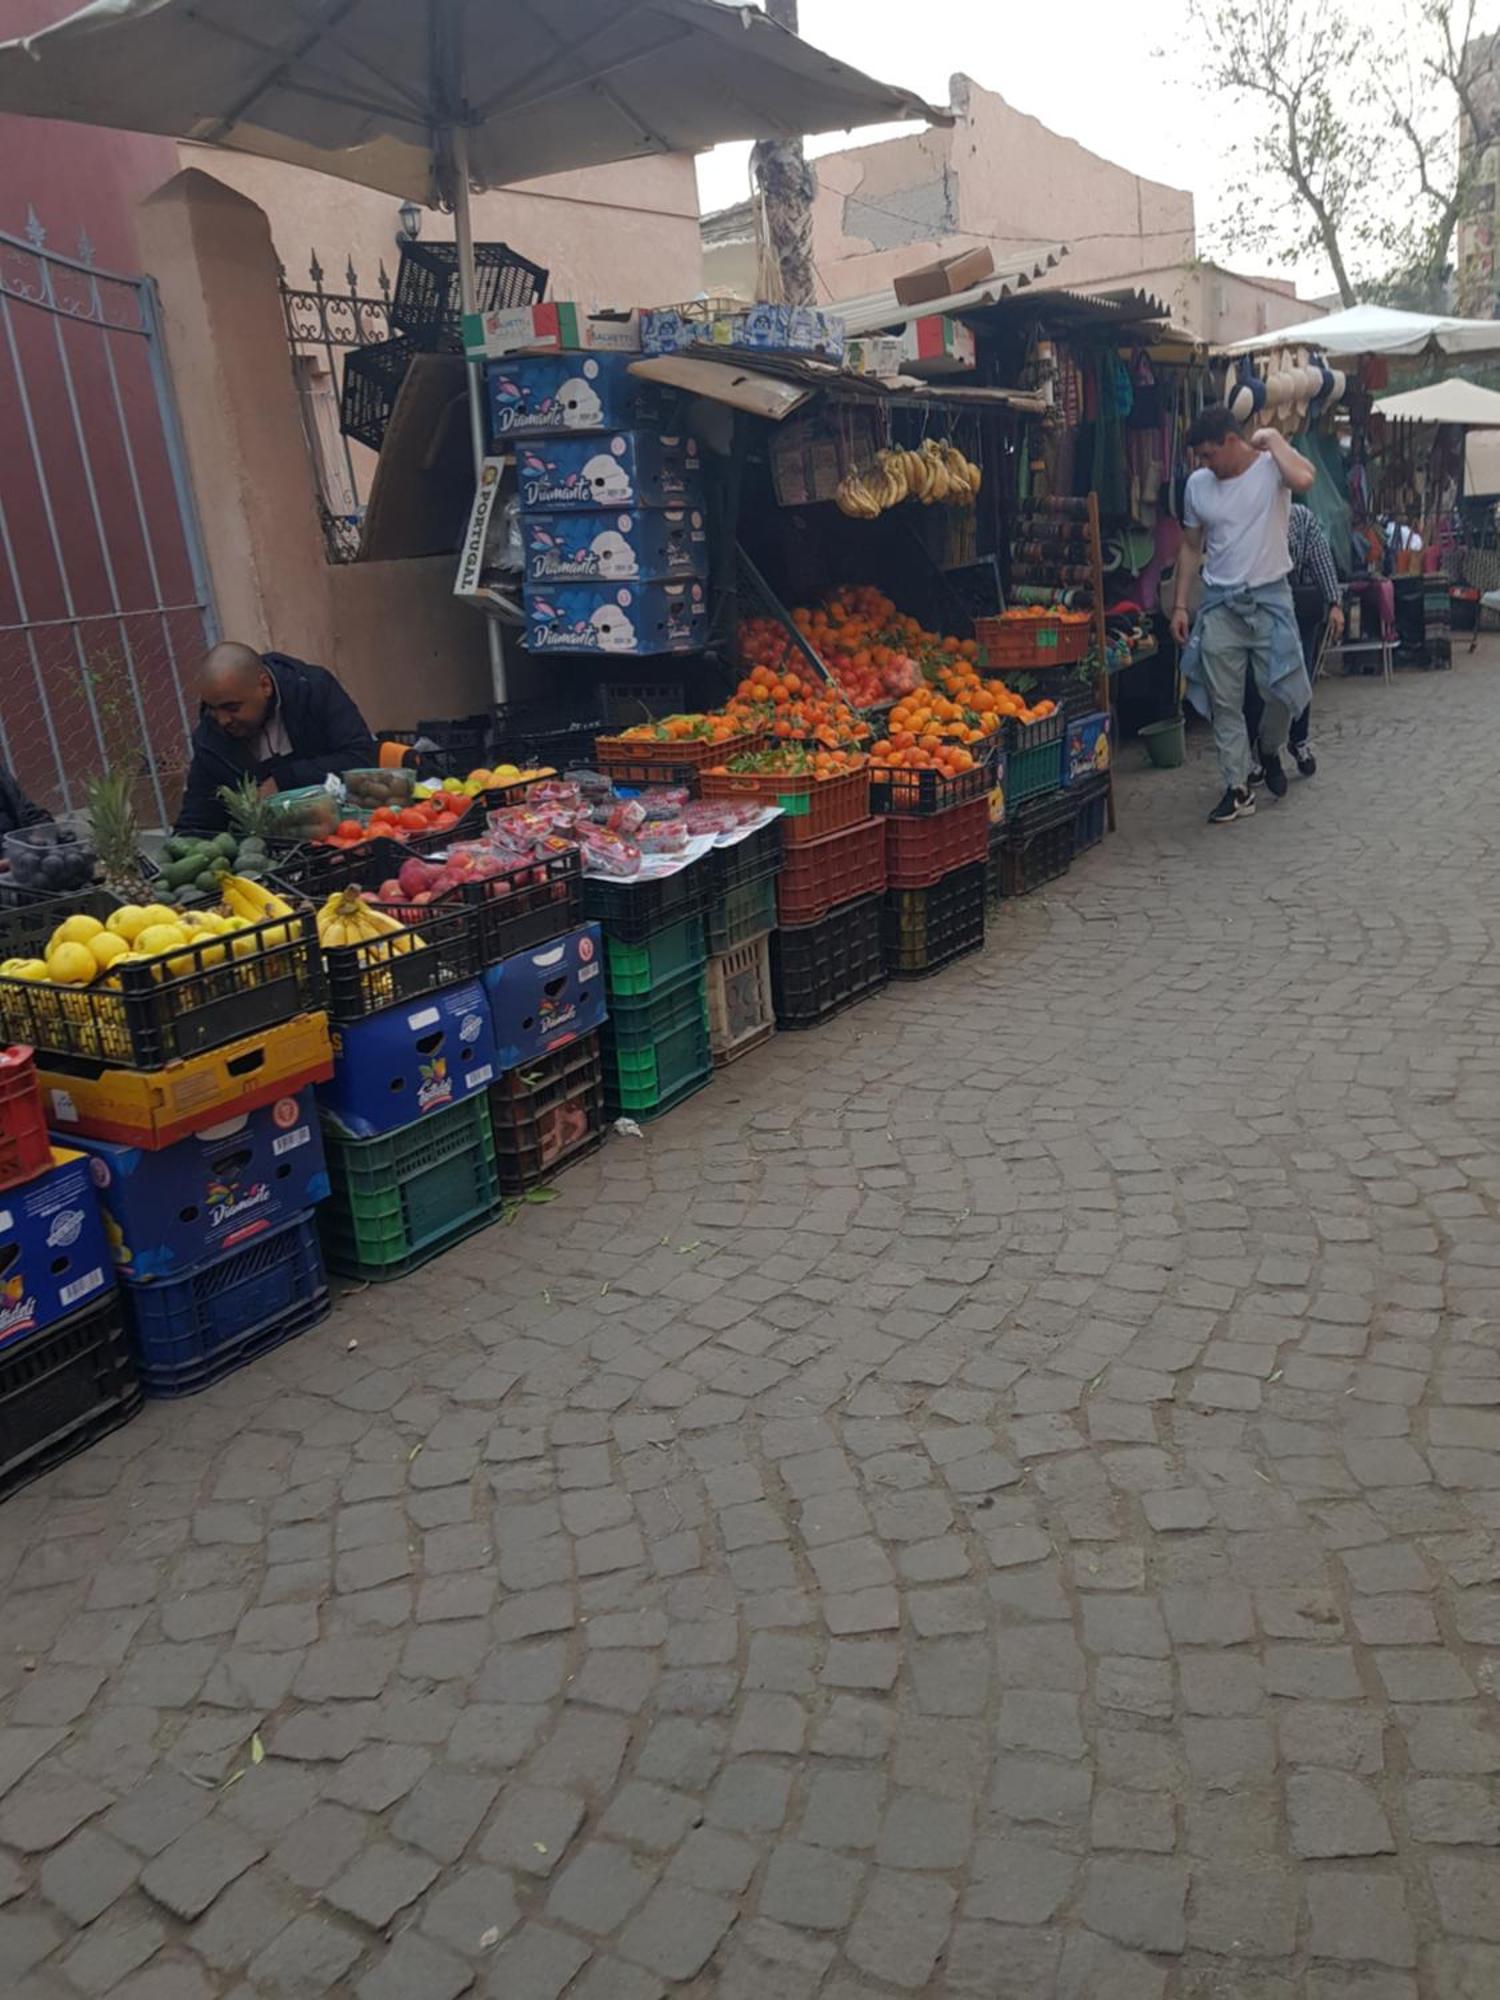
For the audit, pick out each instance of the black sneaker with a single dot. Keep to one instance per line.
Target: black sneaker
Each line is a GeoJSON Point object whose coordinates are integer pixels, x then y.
{"type": "Point", "coordinates": [1257, 777]}
{"type": "Point", "coordinates": [1275, 776]}
{"type": "Point", "coordinates": [1306, 762]}
{"type": "Point", "coordinates": [1235, 804]}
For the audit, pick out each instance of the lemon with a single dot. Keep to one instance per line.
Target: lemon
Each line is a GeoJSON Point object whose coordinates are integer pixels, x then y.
{"type": "Point", "coordinates": [126, 922]}
{"type": "Point", "coordinates": [155, 913]}
{"type": "Point", "coordinates": [159, 937]}
{"type": "Point", "coordinates": [107, 947]}
{"type": "Point", "coordinates": [71, 963]}
{"type": "Point", "coordinates": [77, 930]}
{"type": "Point", "coordinates": [28, 968]}
{"type": "Point", "coordinates": [505, 772]}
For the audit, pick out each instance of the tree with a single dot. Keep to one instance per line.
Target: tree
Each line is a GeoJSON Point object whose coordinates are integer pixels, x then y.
{"type": "Point", "coordinates": [780, 171]}
{"type": "Point", "coordinates": [1325, 92]}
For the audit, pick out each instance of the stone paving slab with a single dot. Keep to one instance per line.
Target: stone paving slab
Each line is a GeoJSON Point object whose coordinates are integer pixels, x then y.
{"type": "Point", "coordinates": [997, 1498]}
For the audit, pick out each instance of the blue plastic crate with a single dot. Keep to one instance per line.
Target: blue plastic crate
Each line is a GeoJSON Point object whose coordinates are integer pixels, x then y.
{"type": "Point", "coordinates": [190, 1331]}
{"type": "Point", "coordinates": [409, 1062]}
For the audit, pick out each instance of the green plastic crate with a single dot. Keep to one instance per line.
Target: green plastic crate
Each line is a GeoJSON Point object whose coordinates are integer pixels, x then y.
{"type": "Point", "coordinates": [1029, 773]}
{"type": "Point", "coordinates": [398, 1200]}
{"type": "Point", "coordinates": [745, 913]}
{"type": "Point", "coordinates": [633, 971]}
{"type": "Point", "coordinates": [657, 1052]}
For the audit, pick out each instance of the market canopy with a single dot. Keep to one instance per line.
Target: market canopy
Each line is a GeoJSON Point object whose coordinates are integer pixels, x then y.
{"type": "Point", "coordinates": [1452, 402]}
{"type": "Point", "coordinates": [1380, 330]}
{"type": "Point", "coordinates": [370, 90]}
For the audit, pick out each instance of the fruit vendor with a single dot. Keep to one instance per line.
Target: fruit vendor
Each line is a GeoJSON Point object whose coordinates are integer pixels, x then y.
{"type": "Point", "coordinates": [16, 810]}
{"type": "Point", "coordinates": [278, 719]}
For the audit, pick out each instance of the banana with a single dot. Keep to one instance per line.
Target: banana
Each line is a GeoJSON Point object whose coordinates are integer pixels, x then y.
{"type": "Point", "coordinates": [252, 900]}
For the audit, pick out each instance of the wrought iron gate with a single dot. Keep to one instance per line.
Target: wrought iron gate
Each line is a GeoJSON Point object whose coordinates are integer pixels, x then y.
{"type": "Point", "coordinates": [105, 607]}
{"type": "Point", "coordinates": [321, 329]}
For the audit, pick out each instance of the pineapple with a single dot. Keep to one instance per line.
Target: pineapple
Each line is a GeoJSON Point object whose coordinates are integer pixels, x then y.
{"type": "Point", "coordinates": [250, 816]}
{"type": "Point", "coordinates": [111, 810]}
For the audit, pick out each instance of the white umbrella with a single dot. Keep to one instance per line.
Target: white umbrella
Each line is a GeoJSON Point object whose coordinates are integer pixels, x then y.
{"type": "Point", "coordinates": [1453, 401]}
{"type": "Point", "coordinates": [430, 98]}
{"type": "Point", "coordinates": [1380, 330]}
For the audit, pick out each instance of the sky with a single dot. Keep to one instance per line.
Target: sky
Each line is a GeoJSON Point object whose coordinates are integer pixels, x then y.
{"type": "Point", "coordinates": [1087, 69]}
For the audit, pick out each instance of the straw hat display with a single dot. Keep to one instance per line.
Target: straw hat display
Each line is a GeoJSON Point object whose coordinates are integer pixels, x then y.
{"type": "Point", "coordinates": [1287, 389]}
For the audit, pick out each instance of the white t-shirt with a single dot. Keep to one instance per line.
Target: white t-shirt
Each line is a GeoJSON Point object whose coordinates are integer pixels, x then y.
{"type": "Point", "coordinates": [1244, 522]}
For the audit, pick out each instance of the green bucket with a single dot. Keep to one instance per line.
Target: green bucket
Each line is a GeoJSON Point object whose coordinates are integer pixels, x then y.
{"type": "Point", "coordinates": [1166, 743]}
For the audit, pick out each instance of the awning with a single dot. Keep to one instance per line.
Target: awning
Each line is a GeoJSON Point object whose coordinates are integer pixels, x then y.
{"type": "Point", "coordinates": [1452, 402]}
{"type": "Point", "coordinates": [1380, 330]}
{"type": "Point", "coordinates": [749, 380]}
{"type": "Point", "coordinates": [872, 312]}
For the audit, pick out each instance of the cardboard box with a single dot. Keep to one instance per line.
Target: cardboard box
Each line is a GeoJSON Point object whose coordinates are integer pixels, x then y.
{"type": "Point", "coordinates": [541, 1000]}
{"type": "Point", "coordinates": [937, 344]}
{"type": "Point", "coordinates": [629, 470]}
{"type": "Point", "coordinates": [875, 354]}
{"type": "Point", "coordinates": [557, 326]}
{"type": "Point", "coordinates": [1086, 748]}
{"type": "Point", "coordinates": [157, 1107]}
{"type": "Point", "coordinates": [533, 395]}
{"type": "Point", "coordinates": [616, 618]}
{"type": "Point", "coordinates": [774, 329]}
{"type": "Point", "coordinates": [655, 546]}
{"type": "Point", "coordinates": [407, 1062]}
{"type": "Point", "coordinates": [166, 1212]}
{"type": "Point", "coordinates": [54, 1257]}
{"type": "Point", "coordinates": [947, 276]}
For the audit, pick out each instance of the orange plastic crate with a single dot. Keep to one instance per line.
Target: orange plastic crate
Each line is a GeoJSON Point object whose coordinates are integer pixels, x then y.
{"type": "Point", "coordinates": [810, 806]}
{"type": "Point", "coordinates": [1032, 642]}
{"type": "Point", "coordinates": [615, 750]}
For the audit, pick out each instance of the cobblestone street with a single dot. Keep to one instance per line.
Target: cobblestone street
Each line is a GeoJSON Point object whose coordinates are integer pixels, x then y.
{"type": "Point", "coordinates": [996, 1498]}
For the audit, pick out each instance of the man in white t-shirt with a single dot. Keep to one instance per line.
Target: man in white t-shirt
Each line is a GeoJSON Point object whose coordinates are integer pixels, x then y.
{"type": "Point", "coordinates": [1235, 519]}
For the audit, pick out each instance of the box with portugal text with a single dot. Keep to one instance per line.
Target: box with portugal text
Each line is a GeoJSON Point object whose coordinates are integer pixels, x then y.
{"type": "Point", "coordinates": [157, 1107]}
{"type": "Point", "coordinates": [168, 1211]}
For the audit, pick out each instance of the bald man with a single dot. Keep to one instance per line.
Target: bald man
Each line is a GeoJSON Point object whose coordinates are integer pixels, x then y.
{"type": "Point", "coordinates": [270, 717]}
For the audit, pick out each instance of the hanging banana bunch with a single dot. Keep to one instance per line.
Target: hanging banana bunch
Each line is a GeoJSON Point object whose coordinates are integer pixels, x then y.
{"type": "Point", "coordinates": [935, 474]}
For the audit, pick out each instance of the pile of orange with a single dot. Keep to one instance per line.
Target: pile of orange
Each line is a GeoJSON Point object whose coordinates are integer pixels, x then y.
{"type": "Point", "coordinates": [1026, 614]}
{"type": "Point", "coordinates": [991, 700]}
{"type": "Point", "coordinates": [717, 727]}
{"type": "Point", "coordinates": [793, 760]}
{"type": "Point", "coordinates": [794, 708]}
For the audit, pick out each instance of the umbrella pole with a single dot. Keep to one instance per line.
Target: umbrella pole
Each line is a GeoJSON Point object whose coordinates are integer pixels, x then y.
{"type": "Point", "coordinates": [463, 233]}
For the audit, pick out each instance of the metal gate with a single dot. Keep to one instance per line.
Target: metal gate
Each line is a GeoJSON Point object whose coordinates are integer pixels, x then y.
{"type": "Point", "coordinates": [322, 328]}
{"type": "Point", "coordinates": [105, 608]}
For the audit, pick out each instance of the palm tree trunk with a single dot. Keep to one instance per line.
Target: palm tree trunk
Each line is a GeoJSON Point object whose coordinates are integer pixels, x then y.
{"type": "Point", "coordinates": [785, 183]}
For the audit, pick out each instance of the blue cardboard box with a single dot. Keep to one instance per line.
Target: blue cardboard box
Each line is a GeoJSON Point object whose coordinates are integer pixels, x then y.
{"type": "Point", "coordinates": [167, 1212]}
{"type": "Point", "coordinates": [54, 1258]}
{"type": "Point", "coordinates": [1086, 748]}
{"type": "Point", "coordinates": [774, 329]}
{"type": "Point", "coordinates": [407, 1062]}
{"type": "Point", "coordinates": [532, 394]}
{"type": "Point", "coordinates": [541, 1000]}
{"type": "Point", "coordinates": [616, 618]}
{"type": "Point", "coordinates": [655, 546]}
{"type": "Point", "coordinates": [629, 469]}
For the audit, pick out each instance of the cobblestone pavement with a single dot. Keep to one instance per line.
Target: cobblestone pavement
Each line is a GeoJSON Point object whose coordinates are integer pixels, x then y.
{"type": "Point", "coordinates": [998, 1498]}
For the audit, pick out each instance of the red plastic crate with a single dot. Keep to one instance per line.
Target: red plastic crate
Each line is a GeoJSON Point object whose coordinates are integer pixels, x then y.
{"type": "Point", "coordinates": [810, 806]}
{"type": "Point", "coordinates": [918, 852]}
{"type": "Point", "coordinates": [25, 1149]}
{"type": "Point", "coordinates": [818, 875]}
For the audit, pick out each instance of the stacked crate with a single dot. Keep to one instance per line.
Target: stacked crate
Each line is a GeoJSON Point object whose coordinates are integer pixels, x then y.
{"type": "Point", "coordinates": [655, 950]}
{"type": "Point", "coordinates": [186, 1084]}
{"type": "Point", "coordinates": [405, 1114]}
{"type": "Point", "coordinates": [1034, 843]}
{"type": "Point", "coordinates": [740, 919]}
{"type": "Point", "coordinates": [937, 839]}
{"type": "Point", "coordinates": [825, 953]}
{"type": "Point", "coordinates": [66, 1371]}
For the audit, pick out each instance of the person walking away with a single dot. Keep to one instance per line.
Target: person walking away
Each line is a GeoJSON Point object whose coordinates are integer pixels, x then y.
{"type": "Point", "coordinates": [1235, 530]}
{"type": "Point", "coordinates": [1317, 601]}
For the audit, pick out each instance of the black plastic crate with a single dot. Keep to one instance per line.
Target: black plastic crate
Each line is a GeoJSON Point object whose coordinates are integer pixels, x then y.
{"type": "Point", "coordinates": [63, 1389]}
{"type": "Point", "coordinates": [1091, 810]}
{"type": "Point", "coordinates": [925, 929]}
{"type": "Point", "coordinates": [426, 301]}
{"type": "Point", "coordinates": [819, 969]}
{"type": "Point", "coordinates": [560, 733]}
{"type": "Point", "coordinates": [459, 746]}
{"type": "Point", "coordinates": [1036, 846]}
{"type": "Point", "coordinates": [624, 705]}
{"type": "Point", "coordinates": [314, 869]}
{"type": "Point", "coordinates": [437, 947]}
{"type": "Point", "coordinates": [1021, 736]}
{"type": "Point", "coordinates": [547, 1114]}
{"type": "Point", "coordinates": [201, 996]}
{"type": "Point", "coordinates": [752, 859]}
{"type": "Point", "coordinates": [372, 381]}
{"type": "Point", "coordinates": [528, 905]}
{"type": "Point", "coordinates": [919, 793]}
{"type": "Point", "coordinates": [636, 911]}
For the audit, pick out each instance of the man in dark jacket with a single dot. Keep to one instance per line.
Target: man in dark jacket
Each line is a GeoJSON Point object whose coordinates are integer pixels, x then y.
{"type": "Point", "coordinates": [272, 718]}
{"type": "Point", "coordinates": [16, 810]}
